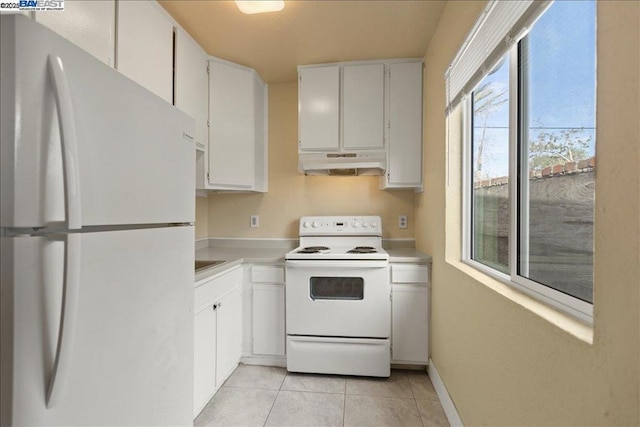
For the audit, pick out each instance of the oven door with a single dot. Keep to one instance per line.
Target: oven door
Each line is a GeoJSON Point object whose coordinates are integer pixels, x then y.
{"type": "Point", "coordinates": [338, 298]}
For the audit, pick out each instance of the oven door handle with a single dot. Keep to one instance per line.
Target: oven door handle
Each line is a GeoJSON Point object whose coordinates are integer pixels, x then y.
{"type": "Point", "coordinates": [336, 264]}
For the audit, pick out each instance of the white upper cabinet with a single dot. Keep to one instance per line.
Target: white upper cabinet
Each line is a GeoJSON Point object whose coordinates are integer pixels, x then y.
{"type": "Point", "coordinates": [261, 154]}
{"type": "Point", "coordinates": [237, 128]}
{"type": "Point", "coordinates": [368, 109]}
{"type": "Point", "coordinates": [319, 108]}
{"type": "Point", "coordinates": [232, 124]}
{"type": "Point", "coordinates": [145, 46]}
{"type": "Point", "coordinates": [88, 24]}
{"type": "Point", "coordinates": [363, 106]}
{"type": "Point", "coordinates": [191, 84]}
{"type": "Point", "coordinates": [404, 162]}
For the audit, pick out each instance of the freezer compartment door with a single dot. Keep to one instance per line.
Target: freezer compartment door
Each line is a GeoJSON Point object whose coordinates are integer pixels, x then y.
{"type": "Point", "coordinates": [341, 356]}
{"type": "Point", "coordinates": [74, 129]}
{"type": "Point", "coordinates": [130, 358]}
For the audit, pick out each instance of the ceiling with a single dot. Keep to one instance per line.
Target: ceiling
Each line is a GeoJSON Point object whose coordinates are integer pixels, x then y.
{"type": "Point", "coordinates": [309, 32]}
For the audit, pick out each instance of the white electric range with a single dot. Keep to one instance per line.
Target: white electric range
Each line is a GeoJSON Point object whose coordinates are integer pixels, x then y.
{"type": "Point", "coordinates": [338, 298]}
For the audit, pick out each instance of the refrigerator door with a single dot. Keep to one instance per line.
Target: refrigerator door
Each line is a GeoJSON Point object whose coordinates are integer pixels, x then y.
{"type": "Point", "coordinates": [75, 130]}
{"type": "Point", "coordinates": [127, 356]}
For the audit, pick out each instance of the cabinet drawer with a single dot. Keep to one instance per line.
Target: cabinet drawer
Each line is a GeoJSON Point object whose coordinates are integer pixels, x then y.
{"type": "Point", "coordinates": [267, 274]}
{"type": "Point", "coordinates": [409, 273]}
{"type": "Point", "coordinates": [207, 294]}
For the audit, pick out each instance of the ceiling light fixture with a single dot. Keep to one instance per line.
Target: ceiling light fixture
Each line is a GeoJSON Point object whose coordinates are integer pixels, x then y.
{"type": "Point", "coordinates": [259, 6]}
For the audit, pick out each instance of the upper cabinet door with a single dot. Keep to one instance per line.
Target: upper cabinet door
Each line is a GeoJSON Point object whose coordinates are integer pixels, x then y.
{"type": "Point", "coordinates": [191, 84]}
{"type": "Point", "coordinates": [261, 144]}
{"type": "Point", "coordinates": [319, 108]}
{"type": "Point", "coordinates": [363, 106]}
{"type": "Point", "coordinates": [405, 127]}
{"type": "Point", "coordinates": [145, 46]}
{"type": "Point", "coordinates": [87, 24]}
{"type": "Point", "coordinates": [232, 126]}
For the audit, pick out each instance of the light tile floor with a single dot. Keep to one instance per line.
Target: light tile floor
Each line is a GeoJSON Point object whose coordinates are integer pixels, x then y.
{"type": "Point", "coordinates": [268, 396]}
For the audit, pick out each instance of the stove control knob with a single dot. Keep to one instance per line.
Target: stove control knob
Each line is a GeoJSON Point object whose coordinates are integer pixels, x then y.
{"type": "Point", "coordinates": [305, 224]}
{"type": "Point", "coordinates": [374, 224]}
{"type": "Point", "coordinates": [315, 224]}
{"type": "Point", "coordinates": [355, 223]}
{"type": "Point", "coordinates": [365, 224]}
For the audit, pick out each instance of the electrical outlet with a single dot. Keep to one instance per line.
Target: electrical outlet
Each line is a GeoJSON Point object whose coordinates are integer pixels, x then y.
{"type": "Point", "coordinates": [255, 221]}
{"type": "Point", "coordinates": [402, 221]}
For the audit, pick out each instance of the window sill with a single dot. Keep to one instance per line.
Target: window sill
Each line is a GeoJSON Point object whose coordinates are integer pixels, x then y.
{"type": "Point", "coordinates": [564, 321]}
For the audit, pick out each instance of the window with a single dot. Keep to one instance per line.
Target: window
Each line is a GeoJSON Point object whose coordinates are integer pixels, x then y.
{"type": "Point", "coordinates": [529, 186]}
{"type": "Point", "coordinates": [557, 131]}
{"type": "Point", "coordinates": [490, 164]}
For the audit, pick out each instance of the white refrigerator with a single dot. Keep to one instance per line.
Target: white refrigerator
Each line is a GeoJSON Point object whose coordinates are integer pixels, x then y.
{"type": "Point", "coordinates": [97, 241]}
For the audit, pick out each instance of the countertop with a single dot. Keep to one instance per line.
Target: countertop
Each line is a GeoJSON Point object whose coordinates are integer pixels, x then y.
{"type": "Point", "coordinates": [254, 254]}
{"type": "Point", "coordinates": [236, 256]}
{"type": "Point", "coordinates": [408, 255]}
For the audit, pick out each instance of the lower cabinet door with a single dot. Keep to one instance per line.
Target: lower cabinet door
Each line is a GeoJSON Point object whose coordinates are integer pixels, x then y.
{"type": "Point", "coordinates": [229, 334]}
{"type": "Point", "coordinates": [409, 323]}
{"type": "Point", "coordinates": [204, 355]}
{"type": "Point", "coordinates": [268, 320]}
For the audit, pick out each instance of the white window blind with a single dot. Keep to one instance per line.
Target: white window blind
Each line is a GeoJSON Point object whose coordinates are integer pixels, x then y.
{"type": "Point", "coordinates": [501, 24]}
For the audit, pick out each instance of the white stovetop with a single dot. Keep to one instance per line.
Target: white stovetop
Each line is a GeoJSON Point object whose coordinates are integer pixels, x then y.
{"type": "Point", "coordinates": [338, 253]}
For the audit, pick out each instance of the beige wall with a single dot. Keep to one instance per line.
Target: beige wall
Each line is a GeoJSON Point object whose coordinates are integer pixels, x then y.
{"type": "Point", "coordinates": [502, 363]}
{"type": "Point", "coordinates": [202, 217]}
{"type": "Point", "coordinates": [292, 195]}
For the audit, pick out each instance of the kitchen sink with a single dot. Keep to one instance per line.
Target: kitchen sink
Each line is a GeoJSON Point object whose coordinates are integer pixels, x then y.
{"type": "Point", "coordinates": [202, 264]}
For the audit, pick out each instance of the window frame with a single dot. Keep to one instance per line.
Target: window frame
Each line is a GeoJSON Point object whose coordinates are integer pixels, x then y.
{"type": "Point", "coordinates": [518, 192]}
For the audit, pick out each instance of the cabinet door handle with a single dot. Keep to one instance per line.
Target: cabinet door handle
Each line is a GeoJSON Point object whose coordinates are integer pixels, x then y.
{"type": "Point", "coordinates": [215, 306]}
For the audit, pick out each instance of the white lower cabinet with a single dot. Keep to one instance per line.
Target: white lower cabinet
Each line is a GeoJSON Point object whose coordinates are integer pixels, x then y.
{"type": "Point", "coordinates": [228, 334]}
{"type": "Point", "coordinates": [204, 358]}
{"type": "Point", "coordinates": [268, 319]}
{"type": "Point", "coordinates": [217, 333]}
{"type": "Point", "coordinates": [410, 314]}
{"type": "Point", "coordinates": [264, 315]}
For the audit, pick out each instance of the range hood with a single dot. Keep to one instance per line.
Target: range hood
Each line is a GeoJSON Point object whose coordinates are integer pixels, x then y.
{"type": "Point", "coordinates": [343, 164]}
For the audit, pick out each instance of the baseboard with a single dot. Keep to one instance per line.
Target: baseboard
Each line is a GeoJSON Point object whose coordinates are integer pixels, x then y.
{"type": "Point", "coordinates": [441, 390]}
{"type": "Point", "coordinates": [279, 361]}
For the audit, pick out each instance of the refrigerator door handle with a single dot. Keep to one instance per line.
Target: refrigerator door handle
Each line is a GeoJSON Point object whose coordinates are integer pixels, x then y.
{"type": "Point", "coordinates": [69, 144]}
{"type": "Point", "coordinates": [68, 319]}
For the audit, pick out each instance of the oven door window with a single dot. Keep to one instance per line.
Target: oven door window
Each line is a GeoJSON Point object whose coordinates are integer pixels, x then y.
{"type": "Point", "coordinates": [336, 288]}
